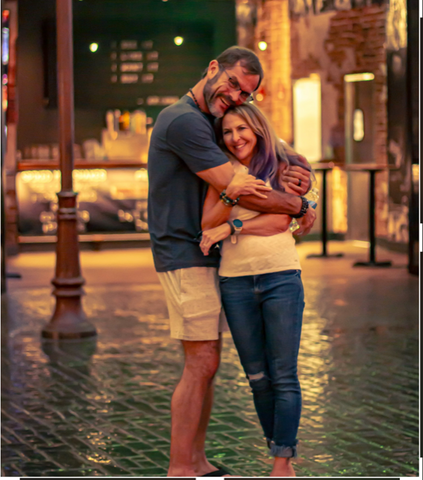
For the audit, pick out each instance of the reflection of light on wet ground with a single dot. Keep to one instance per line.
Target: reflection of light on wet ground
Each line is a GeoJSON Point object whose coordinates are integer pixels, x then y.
{"type": "Point", "coordinates": [110, 416]}
{"type": "Point", "coordinates": [96, 458]}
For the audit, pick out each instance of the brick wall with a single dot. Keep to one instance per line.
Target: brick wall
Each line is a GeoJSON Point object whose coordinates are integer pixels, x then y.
{"type": "Point", "coordinates": [355, 42]}
{"type": "Point", "coordinates": [331, 44]}
{"type": "Point", "coordinates": [273, 27]}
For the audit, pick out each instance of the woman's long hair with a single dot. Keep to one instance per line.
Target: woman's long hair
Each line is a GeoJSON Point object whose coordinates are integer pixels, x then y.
{"type": "Point", "coordinates": [270, 153]}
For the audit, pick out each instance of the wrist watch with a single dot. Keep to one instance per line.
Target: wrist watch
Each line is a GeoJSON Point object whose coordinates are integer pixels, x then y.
{"type": "Point", "coordinates": [237, 223]}
{"type": "Point", "coordinates": [304, 207]}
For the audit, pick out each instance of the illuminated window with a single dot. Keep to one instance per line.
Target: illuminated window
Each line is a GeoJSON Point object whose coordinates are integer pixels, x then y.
{"type": "Point", "coordinates": [308, 117]}
{"type": "Point", "coordinates": [358, 123]}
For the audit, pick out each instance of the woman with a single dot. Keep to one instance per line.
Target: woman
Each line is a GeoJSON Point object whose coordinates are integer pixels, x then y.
{"type": "Point", "coordinates": [260, 278]}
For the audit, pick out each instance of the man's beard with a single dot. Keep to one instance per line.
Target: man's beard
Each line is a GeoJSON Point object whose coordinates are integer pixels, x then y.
{"type": "Point", "coordinates": [210, 98]}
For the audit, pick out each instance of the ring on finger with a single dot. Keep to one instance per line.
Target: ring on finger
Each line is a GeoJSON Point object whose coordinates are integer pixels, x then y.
{"type": "Point", "coordinates": [299, 182]}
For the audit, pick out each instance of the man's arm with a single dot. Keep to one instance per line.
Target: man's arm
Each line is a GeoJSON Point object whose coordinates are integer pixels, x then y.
{"type": "Point", "coordinates": [276, 202]}
{"type": "Point", "coordinates": [198, 148]}
{"type": "Point", "coordinates": [279, 202]}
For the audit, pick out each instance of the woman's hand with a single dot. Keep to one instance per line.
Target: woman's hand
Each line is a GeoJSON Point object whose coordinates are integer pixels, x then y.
{"type": "Point", "coordinates": [306, 222]}
{"type": "Point", "coordinates": [214, 235]}
{"type": "Point", "coordinates": [245, 184]}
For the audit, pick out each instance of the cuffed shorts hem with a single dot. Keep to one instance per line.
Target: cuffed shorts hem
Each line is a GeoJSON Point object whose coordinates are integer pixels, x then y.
{"type": "Point", "coordinates": [194, 305]}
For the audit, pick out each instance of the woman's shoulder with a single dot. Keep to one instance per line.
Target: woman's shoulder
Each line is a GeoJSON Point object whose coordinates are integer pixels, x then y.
{"type": "Point", "coordinates": [238, 166]}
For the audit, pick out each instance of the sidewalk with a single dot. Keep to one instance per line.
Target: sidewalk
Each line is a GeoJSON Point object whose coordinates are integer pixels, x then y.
{"type": "Point", "coordinates": [103, 408]}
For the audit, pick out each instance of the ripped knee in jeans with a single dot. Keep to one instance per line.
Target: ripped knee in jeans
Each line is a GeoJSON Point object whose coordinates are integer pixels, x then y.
{"type": "Point", "coordinates": [259, 381]}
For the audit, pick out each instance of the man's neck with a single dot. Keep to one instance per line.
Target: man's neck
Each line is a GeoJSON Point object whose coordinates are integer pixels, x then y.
{"type": "Point", "coordinates": [198, 97]}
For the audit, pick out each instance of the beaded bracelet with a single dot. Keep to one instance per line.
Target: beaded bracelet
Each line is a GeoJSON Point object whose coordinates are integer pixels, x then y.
{"type": "Point", "coordinates": [227, 201]}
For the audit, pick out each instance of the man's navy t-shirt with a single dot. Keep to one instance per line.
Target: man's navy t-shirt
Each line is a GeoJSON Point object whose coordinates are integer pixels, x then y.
{"type": "Point", "coordinates": [182, 143]}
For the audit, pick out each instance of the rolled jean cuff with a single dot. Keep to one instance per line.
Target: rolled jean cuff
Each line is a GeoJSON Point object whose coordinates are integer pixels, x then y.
{"type": "Point", "coordinates": [282, 450]}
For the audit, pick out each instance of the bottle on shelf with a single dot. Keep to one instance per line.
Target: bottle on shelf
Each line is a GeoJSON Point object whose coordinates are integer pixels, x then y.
{"type": "Point", "coordinates": [312, 197]}
{"type": "Point", "coordinates": [110, 123]}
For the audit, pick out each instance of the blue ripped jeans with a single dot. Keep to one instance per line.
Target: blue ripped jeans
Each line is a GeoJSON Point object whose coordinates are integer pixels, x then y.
{"type": "Point", "coordinates": [264, 314]}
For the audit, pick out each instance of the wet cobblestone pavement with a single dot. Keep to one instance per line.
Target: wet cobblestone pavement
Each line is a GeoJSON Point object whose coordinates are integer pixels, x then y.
{"type": "Point", "coordinates": [102, 408]}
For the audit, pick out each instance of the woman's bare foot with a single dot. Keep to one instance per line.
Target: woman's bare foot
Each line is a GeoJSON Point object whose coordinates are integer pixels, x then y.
{"type": "Point", "coordinates": [282, 468]}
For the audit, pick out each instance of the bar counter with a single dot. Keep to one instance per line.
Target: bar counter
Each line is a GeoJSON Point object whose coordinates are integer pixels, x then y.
{"type": "Point", "coordinates": [112, 199]}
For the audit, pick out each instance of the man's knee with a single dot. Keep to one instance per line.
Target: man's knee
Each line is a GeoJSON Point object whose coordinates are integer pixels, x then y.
{"type": "Point", "coordinates": [202, 359]}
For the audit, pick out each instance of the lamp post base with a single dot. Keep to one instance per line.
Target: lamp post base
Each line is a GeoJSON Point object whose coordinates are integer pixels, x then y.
{"type": "Point", "coordinates": [372, 264]}
{"type": "Point", "coordinates": [68, 321]}
{"type": "Point", "coordinates": [325, 255]}
{"type": "Point", "coordinates": [85, 330]}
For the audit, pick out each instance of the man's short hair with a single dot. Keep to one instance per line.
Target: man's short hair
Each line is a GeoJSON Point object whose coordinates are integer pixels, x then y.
{"type": "Point", "coordinates": [246, 57]}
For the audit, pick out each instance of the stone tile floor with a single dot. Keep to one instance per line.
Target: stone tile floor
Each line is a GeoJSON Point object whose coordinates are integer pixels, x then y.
{"type": "Point", "coordinates": [102, 408]}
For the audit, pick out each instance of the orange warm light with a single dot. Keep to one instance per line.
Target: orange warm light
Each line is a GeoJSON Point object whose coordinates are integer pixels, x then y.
{"type": "Point", "coordinates": [5, 102]}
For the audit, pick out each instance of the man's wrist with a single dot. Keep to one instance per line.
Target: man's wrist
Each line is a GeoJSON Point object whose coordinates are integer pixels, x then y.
{"type": "Point", "coordinates": [303, 209]}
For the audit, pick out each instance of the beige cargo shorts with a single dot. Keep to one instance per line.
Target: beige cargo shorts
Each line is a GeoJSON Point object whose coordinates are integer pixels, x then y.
{"type": "Point", "coordinates": [193, 300]}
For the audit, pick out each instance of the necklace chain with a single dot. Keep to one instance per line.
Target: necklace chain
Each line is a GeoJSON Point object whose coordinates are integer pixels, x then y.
{"type": "Point", "coordinates": [195, 100]}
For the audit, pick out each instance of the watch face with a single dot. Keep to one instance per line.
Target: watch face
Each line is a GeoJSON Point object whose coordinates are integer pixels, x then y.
{"type": "Point", "coordinates": [237, 223]}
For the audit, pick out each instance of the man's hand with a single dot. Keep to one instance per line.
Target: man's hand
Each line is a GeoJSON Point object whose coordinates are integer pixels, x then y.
{"type": "Point", "coordinates": [306, 222]}
{"type": "Point", "coordinates": [296, 178]}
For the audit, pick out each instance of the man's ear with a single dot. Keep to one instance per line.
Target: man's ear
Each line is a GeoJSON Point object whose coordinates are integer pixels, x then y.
{"type": "Point", "coordinates": [213, 69]}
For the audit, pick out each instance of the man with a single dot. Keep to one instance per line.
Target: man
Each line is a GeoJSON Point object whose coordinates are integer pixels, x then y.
{"type": "Point", "coordinates": [183, 159]}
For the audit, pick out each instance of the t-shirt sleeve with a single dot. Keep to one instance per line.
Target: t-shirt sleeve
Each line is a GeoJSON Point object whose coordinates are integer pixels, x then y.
{"type": "Point", "coordinates": [192, 139]}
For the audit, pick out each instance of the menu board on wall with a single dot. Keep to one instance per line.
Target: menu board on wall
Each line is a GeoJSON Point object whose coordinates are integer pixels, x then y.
{"type": "Point", "coordinates": [109, 200]}
{"type": "Point", "coordinates": [136, 66]}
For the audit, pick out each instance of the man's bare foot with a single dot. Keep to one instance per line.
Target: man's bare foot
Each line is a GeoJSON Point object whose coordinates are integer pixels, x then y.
{"type": "Point", "coordinates": [282, 468]}
{"type": "Point", "coordinates": [181, 472]}
{"type": "Point", "coordinates": [202, 466]}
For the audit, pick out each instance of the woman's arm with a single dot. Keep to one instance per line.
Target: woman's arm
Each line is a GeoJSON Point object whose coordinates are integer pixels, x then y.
{"type": "Point", "coordinates": [263, 225]}
{"type": "Point", "coordinates": [266, 224]}
{"type": "Point", "coordinates": [215, 212]}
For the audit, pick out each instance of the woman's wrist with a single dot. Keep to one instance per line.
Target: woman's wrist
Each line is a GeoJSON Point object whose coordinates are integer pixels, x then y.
{"type": "Point", "coordinates": [232, 192]}
{"type": "Point", "coordinates": [227, 229]}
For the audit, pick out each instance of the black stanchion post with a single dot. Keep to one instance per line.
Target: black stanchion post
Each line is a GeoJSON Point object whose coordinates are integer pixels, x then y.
{"type": "Point", "coordinates": [324, 169]}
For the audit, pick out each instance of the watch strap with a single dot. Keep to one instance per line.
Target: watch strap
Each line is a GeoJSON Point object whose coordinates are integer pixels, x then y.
{"type": "Point", "coordinates": [232, 226]}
